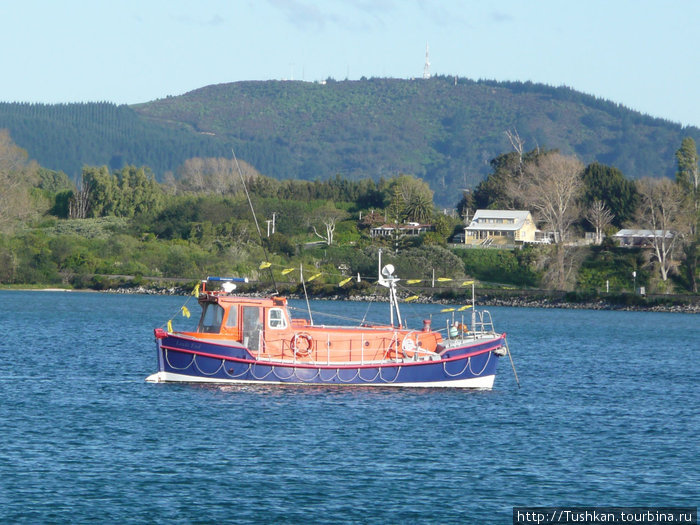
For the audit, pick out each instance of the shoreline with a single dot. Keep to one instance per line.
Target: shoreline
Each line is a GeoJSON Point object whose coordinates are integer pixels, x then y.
{"type": "Point", "coordinates": [485, 299]}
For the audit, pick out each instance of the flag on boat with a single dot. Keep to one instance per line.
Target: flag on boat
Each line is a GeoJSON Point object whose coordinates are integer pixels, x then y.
{"type": "Point", "coordinates": [344, 281]}
{"type": "Point", "coordinates": [185, 312]}
{"type": "Point", "coordinates": [264, 265]}
{"type": "Point", "coordinates": [287, 270]}
{"type": "Point", "coordinates": [411, 298]}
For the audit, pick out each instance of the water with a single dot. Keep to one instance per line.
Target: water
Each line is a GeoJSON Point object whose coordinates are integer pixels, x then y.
{"type": "Point", "coordinates": [607, 415]}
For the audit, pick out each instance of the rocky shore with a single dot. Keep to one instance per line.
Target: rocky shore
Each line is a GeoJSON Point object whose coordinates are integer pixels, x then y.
{"type": "Point", "coordinates": [484, 300]}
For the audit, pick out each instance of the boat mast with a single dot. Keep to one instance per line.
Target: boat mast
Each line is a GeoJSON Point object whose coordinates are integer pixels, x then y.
{"type": "Point", "coordinates": [386, 278]}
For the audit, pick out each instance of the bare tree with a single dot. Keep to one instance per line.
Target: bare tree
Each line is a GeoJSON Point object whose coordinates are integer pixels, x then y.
{"type": "Point", "coordinates": [213, 175]}
{"type": "Point", "coordinates": [518, 145]}
{"type": "Point", "coordinates": [661, 211]}
{"type": "Point", "coordinates": [550, 186]}
{"type": "Point", "coordinates": [328, 216]}
{"type": "Point", "coordinates": [79, 203]}
{"type": "Point", "coordinates": [559, 265]}
{"type": "Point", "coordinates": [600, 218]}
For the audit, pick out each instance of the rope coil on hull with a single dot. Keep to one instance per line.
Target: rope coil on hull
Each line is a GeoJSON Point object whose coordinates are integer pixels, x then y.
{"type": "Point", "coordinates": [432, 373]}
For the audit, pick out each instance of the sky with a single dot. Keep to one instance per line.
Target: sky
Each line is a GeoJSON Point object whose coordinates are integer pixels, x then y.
{"type": "Point", "coordinates": [642, 54]}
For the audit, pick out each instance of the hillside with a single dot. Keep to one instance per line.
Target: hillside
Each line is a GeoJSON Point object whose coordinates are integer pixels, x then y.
{"type": "Point", "coordinates": [444, 130]}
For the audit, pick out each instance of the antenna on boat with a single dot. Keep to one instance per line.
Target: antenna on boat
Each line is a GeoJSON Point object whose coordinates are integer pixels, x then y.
{"type": "Point", "coordinates": [306, 296]}
{"type": "Point", "coordinates": [388, 280]}
{"type": "Point", "coordinates": [255, 218]}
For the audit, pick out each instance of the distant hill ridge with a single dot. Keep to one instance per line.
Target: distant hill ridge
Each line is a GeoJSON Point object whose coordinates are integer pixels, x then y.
{"type": "Point", "coordinates": [444, 129]}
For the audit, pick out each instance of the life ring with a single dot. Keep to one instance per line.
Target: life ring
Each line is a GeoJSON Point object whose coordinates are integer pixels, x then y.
{"type": "Point", "coordinates": [408, 345]}
{"type": "Point", "coordinates": [299, 350]}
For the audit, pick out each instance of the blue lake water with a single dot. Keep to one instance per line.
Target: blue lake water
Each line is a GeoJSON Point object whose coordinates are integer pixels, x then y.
{"type": "Point", "coordinates": [607, 415]}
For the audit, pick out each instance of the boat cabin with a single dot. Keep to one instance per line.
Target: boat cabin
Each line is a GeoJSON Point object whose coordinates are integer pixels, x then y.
{"type": "Point", "coordinates": [265, 329]}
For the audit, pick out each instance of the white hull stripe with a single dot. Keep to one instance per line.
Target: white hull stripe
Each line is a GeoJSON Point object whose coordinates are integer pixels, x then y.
{"type": "Point", "coordinates": [474, 382]}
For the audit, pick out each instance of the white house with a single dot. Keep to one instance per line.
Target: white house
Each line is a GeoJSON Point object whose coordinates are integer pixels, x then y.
{"type": "Point", "coordinates": [410, 228]}
{"type": "Point", "coordinates": [508, 226]}
{"type": "Point", "coordinates": [640, 237]}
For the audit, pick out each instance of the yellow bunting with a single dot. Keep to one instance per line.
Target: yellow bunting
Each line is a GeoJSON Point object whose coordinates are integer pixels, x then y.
{"type": "Point", "coordinates": [344, 281]}
{"type": "Point", "coordinates": [315, 276]}
{"type": "Point", "coordinates": [170, 326]}
{"type": "Point", "coordinates": [467, 283]}
{"type": "Point", "coordinates": [444, 279]}
{"type": "Point", "coordinates": [447, 310]}
{"type": "Point", "coordinates": [465, 307]}
{"type": "Point", "coordinates": [287, 270]}
{"type": "Point", "coordinates": [413, 281]}
{"type": "Point", "coordinates": [264, 265]}
{"type": "Point", "coordinates": [185, 312]}
{"type": "Point", "coordinates": [412, 298]}
{"type": "Point", "coordinates": [195, 292]}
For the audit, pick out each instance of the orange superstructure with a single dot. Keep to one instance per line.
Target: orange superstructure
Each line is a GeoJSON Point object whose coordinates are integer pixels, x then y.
{"type": "Point", "coordinates": [265, 328]}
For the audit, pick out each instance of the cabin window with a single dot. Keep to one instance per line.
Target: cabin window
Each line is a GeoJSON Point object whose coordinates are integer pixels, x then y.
{"type": "Point", "coordinates": [252, 327]}
{"type": "Point", "coordinates": [211, 319]}
{"type": "Point", "coordinates": [232, 319]}
{"type": "Point", "coordinates": [276, 318]}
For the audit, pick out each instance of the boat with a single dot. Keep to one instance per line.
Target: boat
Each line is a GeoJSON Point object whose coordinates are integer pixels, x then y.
{"type": "Point", "coordinates": [250, 340]}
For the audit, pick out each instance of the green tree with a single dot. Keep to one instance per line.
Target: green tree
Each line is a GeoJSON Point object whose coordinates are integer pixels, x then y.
{"type": "Point", "coordinates": [17, 176]}
{"type": "Point", "coordinates": [609, 186]}
{"type": "Point", "coordinates": [492, 192]}
{"type": "Point", "coordinates": [411, 199]}
{"type": "Point", "coordinates": [687, 177]}
{"type": "Point", "coordinates": [105, 195]}
{"type": "Point", "coordinates": [688, 174]}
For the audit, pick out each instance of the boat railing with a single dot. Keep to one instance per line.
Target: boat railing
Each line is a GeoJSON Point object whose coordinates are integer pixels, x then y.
{"type": "Point", "coordinates": [390, 347]}
{"type": "Point", "coordinates": [483, 322]}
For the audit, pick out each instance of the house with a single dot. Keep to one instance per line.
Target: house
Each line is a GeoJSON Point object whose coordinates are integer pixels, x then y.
{"type": "Point", "coordinates": [640, 237]}
{"type": "Point", "coordinates": [410, 228]}
{"type": "Point", "coordinates": [501, 226]}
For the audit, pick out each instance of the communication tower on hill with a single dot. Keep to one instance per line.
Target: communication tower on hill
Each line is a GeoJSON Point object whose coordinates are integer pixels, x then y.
{"type": "Point", "coordinates": [426, 68]}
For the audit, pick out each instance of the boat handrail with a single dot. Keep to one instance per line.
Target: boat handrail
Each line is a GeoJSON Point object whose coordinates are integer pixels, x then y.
{"type": "Point", "coordinates": [483, 322]}
{"type": "Point", "coordinates": [390, 348]}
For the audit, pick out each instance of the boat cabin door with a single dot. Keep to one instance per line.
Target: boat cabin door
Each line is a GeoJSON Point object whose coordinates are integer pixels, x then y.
{"type": "Point", "coordinates": [252, 327]}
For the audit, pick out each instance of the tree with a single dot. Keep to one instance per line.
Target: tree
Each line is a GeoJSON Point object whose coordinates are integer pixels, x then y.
{"type": "Point", "coordinates": [608, 185]}
{"type": "Point", "coordinates": [687, 177]}
{"type": "Point", "coordinates": [213, 175]}
{"type": "Point", "coordinates": [411, 199]}
{"type": "Point", "coordinates": [493, 192]}
{"type": "Point", "coordinates": [17, 176]}
{"type": "Point", "coordinates": [688, 174]}
{"type": "Point", "coordinates": [551, 185]}
{"type": "Point", "coordinates": [328, 215]}
{"type": "Point", "coordinates": [600, 217]}
{"type": "Point", "coordinates": [79, 202]}
{"type": "Point", "coordinates": [660, 210]}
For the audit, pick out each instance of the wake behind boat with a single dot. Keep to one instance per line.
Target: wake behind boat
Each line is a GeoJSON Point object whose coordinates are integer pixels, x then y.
{"type": "Point", "coordinates": [251, 340]}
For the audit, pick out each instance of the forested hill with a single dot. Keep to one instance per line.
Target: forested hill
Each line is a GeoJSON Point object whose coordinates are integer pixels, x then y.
{"type": "Point", "coordinates": [444, 130]}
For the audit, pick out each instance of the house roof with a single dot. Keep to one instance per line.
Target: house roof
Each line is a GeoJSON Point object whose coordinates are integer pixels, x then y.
{"type": "Point", "coordinates": [519, 217]}
{"type": "Point", "coordinates": [644, 234]}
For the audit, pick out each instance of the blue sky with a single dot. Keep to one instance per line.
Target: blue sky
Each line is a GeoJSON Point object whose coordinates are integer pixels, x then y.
{"type": "Point", "coordinates": [642, 54]}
